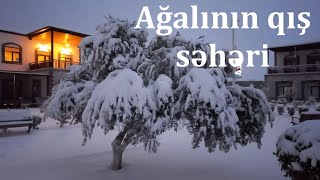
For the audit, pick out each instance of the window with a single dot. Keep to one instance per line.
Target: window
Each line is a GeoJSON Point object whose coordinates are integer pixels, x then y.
{"type": "Point", "coordinates": [65, 57]}
{"type": "Point", "coordinates": [43, 56]}
{"type": "Point", "coordinates": [313, 62]}
{"type": "Point", "coordinates": [285, 88]}
{"type": "Point", "coordinates": [291, 62]}
{"type": "Point", "coordinates": [311, 88]}
{"type": "Point", "coordinates": [64, 61]}
{"type": "Point", "coordinates": [11, 53]}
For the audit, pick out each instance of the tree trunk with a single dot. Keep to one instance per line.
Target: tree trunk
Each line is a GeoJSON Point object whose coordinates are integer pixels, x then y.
{"type": "Point", "coordinates": [118, 146]}
{"type": "Point", "coordinates": [117, 156]}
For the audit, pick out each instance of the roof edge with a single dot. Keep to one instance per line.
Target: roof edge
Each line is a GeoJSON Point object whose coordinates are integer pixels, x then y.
{"type": "Point", "coordinates": [12, 32]}
{"type": "Point", "coordinates": [52, 28]}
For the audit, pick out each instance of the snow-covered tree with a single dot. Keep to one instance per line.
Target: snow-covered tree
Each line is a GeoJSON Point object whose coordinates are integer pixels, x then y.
{"type": "Point", "coordinates": [135, 87]}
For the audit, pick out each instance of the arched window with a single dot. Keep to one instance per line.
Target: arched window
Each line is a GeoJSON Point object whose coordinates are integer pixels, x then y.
{"type": "Point", "coordinates": [11, 53]}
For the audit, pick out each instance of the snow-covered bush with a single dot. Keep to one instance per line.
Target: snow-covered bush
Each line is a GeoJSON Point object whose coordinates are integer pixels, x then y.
{"type": "Point", "coordinates": [36, 120]}
{"type": "Point", "coordinates": [297, 103]}
{"type": "Point", "coordinates": [271, 106]}
{"type": "Point", "coordinates": [291, 109]}
{"type": "Point", "coordinates": [311, 101]}
{"type": "Point", "coordinates": [303, 108]}
{"type": "Point", "coordinates": [280, 109]}
{"type": "Point", "coordinates": [317, 106]}
{"type": "Point", "coordinates": [282, 100]}
{"type": "Point", "coordinates": [298, 151]}
{"type": "Point", "coordinates": [125, 85]}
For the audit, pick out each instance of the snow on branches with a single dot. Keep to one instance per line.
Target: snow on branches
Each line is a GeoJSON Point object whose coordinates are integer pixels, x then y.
{"type": "Point", "coordinates": [122, 100]}
{"type": "Point", "coordinates": [115, 45]}
{"type": "Point", "coordinates": [70, 96]}
{"type": "Point", "coordinates": [203, 100]}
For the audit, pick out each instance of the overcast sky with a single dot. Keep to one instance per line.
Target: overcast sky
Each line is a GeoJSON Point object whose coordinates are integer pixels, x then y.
{"type": "Point", "coordinates": [84, 15]}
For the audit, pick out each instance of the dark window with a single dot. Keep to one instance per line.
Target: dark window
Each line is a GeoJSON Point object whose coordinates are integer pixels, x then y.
{"type": "Point", "coordinates": [11, 53]}
{"type": "Point", "coordinates": [311, 89]}
{"type": "Point", "coordinates": [11, 89]}
{"type": "Point", "coordinates": [285, 88]}
{"type": "Point", "coordinates": [313, 62]}
{"type": "Point", "coordinates": [291, 62]}
{"type": "Point", "coordinates": [36, 88]}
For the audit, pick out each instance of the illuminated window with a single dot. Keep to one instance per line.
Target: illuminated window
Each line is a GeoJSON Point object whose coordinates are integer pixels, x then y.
{"type": "Point", "coordinates": [65, 57]}
{"type": "Point", "coordinates": [12, 53]}
{"type": "Point", "coordinates": [64, 61]}
{"type": "Point", "coordinates": [43, 56]}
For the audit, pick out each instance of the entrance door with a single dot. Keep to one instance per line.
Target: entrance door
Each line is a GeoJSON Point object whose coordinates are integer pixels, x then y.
{"type": "Point", "coordinates": [11, 90]}
{"type": "Point", "coordinates": [36, 90]}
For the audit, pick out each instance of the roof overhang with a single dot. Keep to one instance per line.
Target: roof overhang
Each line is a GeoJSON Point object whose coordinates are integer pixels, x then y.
{"type": "Point", "coordinates": [22, 73]}
{"type": "Point", "coordinates": [51, 28]}
{"type": "Point", "coordinates": [297, 47]}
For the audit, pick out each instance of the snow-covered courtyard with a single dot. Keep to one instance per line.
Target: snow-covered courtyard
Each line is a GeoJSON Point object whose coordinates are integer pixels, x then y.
{"type": "Point", "coordinates": [53, 153]}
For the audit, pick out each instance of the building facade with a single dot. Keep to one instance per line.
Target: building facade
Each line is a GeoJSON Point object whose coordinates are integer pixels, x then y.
{"type": "Point", "coordinates": [31, 64]}
{"type": "Point", "coordinates": [296, 73]}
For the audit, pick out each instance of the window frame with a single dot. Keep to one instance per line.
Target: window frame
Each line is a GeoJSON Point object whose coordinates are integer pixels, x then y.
{"type": "Point", "coordinates": [17, 46]}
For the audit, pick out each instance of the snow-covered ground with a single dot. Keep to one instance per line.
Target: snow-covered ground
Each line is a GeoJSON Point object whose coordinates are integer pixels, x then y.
{"type": "Point", "coordinates": [53, 153]}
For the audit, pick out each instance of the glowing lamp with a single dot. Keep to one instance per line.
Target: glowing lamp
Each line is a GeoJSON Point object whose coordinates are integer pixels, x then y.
{"type": "Point", "coordinates": [65, 51]}
{"type": "Point", "coordinates": [43, 47]}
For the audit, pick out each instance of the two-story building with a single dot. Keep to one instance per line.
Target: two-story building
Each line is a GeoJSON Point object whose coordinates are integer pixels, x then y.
{"type": "Point", "coordinates": [296, 73]}
{"type": "Point", "coordinates": [31, 64]}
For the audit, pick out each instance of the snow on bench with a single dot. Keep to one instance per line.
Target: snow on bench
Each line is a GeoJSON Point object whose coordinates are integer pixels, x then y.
{"type": "Point", "coordinates": [10, 118]}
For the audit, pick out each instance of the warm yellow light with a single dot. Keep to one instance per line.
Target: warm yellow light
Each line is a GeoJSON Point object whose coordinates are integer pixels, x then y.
{"type": "Point", "coordinates": [65, 51]}
{"type": "Point", "coordinates": [43, 47]}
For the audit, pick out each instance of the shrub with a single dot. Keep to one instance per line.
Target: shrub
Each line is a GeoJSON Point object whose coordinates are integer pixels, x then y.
{"type": "Point", "coordinates": [317, 107]}
{"type": "Point", "coordinates": [282, 100]}
{"type": "Point", "coordinates": [36, 120]}
{"type": "Point", "coordinates": [298, 150]}
{"type": "Point", "coordinates": [280, 108]}
{"type": "Point", "coordinates": [303, 108]}
{"type": "Point", "coordinates": [291, 110]}
{"type": "Point", "coordinates": [271, 106]}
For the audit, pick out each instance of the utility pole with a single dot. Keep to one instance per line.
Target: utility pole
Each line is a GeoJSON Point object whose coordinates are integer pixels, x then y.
{"type": "Point", "coordinates": [234, 48]}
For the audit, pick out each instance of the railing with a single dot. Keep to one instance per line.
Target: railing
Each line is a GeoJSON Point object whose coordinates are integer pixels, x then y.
{"type": "Point", "coordinates": [58, 64]}
{"type": "Point", "coordinates": [294, 69]}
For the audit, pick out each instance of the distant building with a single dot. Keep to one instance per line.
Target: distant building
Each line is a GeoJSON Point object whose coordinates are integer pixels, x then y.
{"type": "Point", "coordinates": [296, 73]}
{"type": "Point", "coordinates": [31, 64]}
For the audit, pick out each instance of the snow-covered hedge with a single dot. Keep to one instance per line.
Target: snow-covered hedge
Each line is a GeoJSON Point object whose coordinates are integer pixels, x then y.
{"type": "Point", "coordinates": [298, 150]}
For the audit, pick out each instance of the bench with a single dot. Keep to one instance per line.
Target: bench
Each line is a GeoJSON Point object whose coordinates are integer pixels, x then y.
{"type": "Point", "coordinates": [306, 116]}
{"type": "Point", "coordinates": [11, 118]}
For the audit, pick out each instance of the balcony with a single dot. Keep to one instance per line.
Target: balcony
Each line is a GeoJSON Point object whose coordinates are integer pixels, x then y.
{"type": "Point", "coordinates": [57, 64]}
{"type": "Point", "coordinates": [294, 69]}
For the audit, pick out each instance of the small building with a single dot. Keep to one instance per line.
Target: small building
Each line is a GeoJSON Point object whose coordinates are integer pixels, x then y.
{"type": "Point", "coordinates": [31, 64]}
{"type": "Point", "coordinates": [296, 73]}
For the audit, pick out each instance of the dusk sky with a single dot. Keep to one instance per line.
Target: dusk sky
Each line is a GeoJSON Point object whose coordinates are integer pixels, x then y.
{"type": "Point", "coordinates": [24, 16]}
